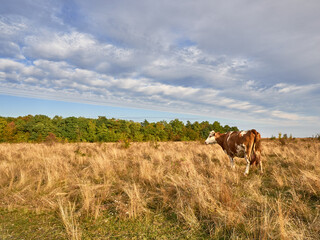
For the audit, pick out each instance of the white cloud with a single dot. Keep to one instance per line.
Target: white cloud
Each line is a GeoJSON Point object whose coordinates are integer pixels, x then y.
{"type": "Point", "coordinates": [62, 76]}
{"type": "Point", "coordinates": [56, 46]}
{"type": "Point", "coordinates": [77, 48]}
{"type": "Point", "coordinates": [293, 116]}
{"type": "Point", "coordinates": [12, 25]}
{"type": "Point", "coordinates": [291, 88]}
{"type": "Point", "coordinates": [9, 65]}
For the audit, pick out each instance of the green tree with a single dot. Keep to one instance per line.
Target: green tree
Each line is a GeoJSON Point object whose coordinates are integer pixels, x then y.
{"type": "Point", "coordinates": [124, 128]}
{"type": "Point", "coordinates": [149, 132]}
{"type": "Point", "coordinates": [206, 128]}
{"type": "Point", "coordinates": [135, 132]}
{"type": "Point", "coordinates": [160, 131]}
{"type": "Point", "coordinates": [102, 133]}
{"type": "Point", "coordinates": [69, 129]}
{"type": "Point", "coordinates": [91, 131]}
{"type": "Point", "coordinates": [177, 129]}
{"type": "Point", "coordinates": [217, 127]}
{"type": "Point", "coordinates": [38, 127]}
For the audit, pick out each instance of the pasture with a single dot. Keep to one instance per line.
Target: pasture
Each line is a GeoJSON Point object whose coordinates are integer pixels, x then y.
{"type": "Point", "coordinates": [158, 190]}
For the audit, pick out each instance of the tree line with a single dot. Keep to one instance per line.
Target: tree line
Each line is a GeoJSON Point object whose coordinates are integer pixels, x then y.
{"type": "Point", "coordinates": [41, 128]}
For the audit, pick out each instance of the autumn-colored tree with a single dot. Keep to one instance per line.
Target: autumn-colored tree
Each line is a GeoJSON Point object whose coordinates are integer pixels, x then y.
{"type": "Point", "coordinates": [51, 138]}
{"type": "Point", "coordinates": [3, 124]}
{"type": "Point", "coordinates": [9, 132]}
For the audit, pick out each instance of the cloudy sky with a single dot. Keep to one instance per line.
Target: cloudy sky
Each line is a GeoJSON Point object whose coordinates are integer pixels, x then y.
{"type": "Point", "coordinates": [253, 64]}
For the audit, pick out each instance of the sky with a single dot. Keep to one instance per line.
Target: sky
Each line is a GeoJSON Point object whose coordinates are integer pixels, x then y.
{"type": "Point", "coordinates": [245, 63]}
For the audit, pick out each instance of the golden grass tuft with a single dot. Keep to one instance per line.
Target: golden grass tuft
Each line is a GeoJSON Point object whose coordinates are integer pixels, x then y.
{"type": "Point", "coordinates": [188, 180]}
{"type": "Point", "coordinates": [69, 219]}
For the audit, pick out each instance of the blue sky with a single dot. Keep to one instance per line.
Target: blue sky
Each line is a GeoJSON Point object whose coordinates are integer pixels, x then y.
{"type": "Point", "coordinates": [13, 106]}
{"type": "Point", "coordinates": [253, 64]}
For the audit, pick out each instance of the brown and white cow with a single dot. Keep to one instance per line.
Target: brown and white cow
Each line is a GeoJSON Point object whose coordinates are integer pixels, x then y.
{"type": "Point", "coordinates": [242, 144]}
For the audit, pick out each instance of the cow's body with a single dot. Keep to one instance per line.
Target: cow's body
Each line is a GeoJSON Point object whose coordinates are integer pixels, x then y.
{"type": "Point", "coordinates": [243, 144]}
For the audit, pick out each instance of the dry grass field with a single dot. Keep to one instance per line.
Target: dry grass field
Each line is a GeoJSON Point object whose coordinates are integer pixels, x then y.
{"type": "Point", "coordinates": [169, 190]}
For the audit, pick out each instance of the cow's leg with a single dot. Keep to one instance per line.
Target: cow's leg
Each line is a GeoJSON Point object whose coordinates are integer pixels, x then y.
{"type": "Point", "coordinates": [231, 162]}
{"type": "Point", "coordinates": [260, 163]}
{"type": "Point", "coordinates": [258, 158]}
{"type": "Point", "coordinates": [246, 172]}
{"type": "Point", "coordinates": [248, 156]}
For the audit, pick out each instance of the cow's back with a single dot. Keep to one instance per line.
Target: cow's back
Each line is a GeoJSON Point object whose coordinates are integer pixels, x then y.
{"type": "Point", "coordinates": [234, 145]}
{"type": "Point", "coordinates": [237, 144]}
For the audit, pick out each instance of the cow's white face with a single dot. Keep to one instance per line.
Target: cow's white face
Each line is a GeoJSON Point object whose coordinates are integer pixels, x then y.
{"type": "Point", "coordinates": [211, 138]}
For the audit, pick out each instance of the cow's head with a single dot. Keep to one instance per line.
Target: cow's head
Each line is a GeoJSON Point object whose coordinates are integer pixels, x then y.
{"type": "Point", "coordinates": [211, 138]}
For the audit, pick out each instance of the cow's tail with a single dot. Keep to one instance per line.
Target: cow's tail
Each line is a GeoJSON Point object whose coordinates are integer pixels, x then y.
{"type": "Point", "coordinates": [256, 148]}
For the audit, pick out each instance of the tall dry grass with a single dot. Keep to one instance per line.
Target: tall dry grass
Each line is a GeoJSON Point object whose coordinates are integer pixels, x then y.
{"type": "Point", "coordinates": [189, 180]}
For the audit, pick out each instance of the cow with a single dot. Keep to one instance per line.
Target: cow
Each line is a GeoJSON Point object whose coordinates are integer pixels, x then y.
{"type": "Point", "coordinates": [242, 144]}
